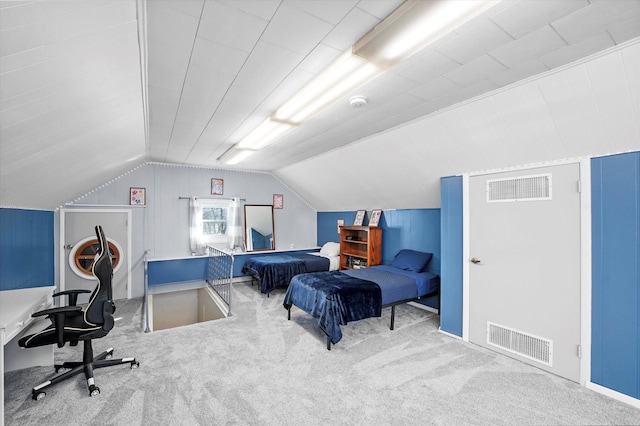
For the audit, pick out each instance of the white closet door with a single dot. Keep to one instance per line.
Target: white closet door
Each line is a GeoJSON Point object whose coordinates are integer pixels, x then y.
{"type": "Point", "coordinates": [524, 279]}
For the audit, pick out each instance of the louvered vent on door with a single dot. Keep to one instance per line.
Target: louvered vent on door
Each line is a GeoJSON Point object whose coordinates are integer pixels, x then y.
{"type": "Point", "coordinates": [527, 345]}
{"type": "Point", "coordinates": [522, 188]}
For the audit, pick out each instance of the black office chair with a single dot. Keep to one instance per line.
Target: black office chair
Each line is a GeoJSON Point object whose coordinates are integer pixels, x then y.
{"type": "Point", "coordinates": [73, 324]}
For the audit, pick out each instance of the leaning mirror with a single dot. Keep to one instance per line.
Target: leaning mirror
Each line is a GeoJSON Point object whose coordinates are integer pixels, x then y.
{"type": "Point", "coordinates": [258, 227]}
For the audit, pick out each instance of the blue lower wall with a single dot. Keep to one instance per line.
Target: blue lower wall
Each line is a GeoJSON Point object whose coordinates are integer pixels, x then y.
{"type": "Point", "coordinates": [196, 268]}
{"type": "Point", "coordinates": [615, 327]}
{"type": "Point", "coordinates": [26, 249]}
{"type": "Point", "coordinates": [417, 229]}
{"type": "Point", "coordinates": [178, 270]}
{"type": "Point", "coordinates": [328, 225]}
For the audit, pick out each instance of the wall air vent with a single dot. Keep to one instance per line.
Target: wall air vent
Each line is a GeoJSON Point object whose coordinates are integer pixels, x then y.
{"type": "Point", "coordinates": [526, 345]}
{"type": "Point", "coordinates": [522, 188]}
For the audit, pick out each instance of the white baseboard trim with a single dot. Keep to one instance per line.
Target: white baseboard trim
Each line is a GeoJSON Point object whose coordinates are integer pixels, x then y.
{"type": "Point", "coordinates": [614, 394]}
{"type": "Point", "coordinates": [449, 334]}
{"type": "Point", "coordinates": [423, 307]}
{"type": "Point", "coordinates": [242, 279]}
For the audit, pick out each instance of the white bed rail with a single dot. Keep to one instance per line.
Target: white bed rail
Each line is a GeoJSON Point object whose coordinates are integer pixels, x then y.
{"type": "Point", "coordinates": [220, 274]}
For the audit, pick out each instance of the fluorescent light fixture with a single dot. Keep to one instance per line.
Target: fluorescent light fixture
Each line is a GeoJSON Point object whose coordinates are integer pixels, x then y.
{"type": "Point", "coordinates": [344, 75]}
{"type": "Point", "coordinates": [234, 155]}
{"type": "Point", "coordinates": [414, 25]}
{"type": "Point", "coordinates": [410, 28]}
{"type": "Point", "coordinates": [264, 134]}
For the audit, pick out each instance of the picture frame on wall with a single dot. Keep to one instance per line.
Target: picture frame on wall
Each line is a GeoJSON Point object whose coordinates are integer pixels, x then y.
{"type": "Point", "coordinates": [217, 186]}
{"type": "Point", "coordinates": [359, 218]}
{"type": "Point", "coordinates": [375, 217]}
{"type": "Point", "coordinates": [137, 196]}
{"type": "Point", "coordinates": [278, 201]}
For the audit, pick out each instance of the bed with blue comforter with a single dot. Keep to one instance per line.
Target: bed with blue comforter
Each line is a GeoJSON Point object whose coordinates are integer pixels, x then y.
{"type": "Point", "coordinates": [336, 298]}
{"type": "Point", "coordinates": [277, 270]}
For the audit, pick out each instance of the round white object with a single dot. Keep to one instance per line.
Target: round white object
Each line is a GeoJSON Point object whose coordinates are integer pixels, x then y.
{"type": "Point", "coordinates": [358, 101]}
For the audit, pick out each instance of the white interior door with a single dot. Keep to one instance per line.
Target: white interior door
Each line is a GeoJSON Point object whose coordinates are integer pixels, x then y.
{"type": "Point", "coordinates": [524, 275]}
{"type": "Point", "coordinates": [78, 240]}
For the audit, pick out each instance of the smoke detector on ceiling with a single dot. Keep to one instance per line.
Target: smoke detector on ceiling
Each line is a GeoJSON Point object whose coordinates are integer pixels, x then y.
{"type": "Point", "coordinates": [358, 101]}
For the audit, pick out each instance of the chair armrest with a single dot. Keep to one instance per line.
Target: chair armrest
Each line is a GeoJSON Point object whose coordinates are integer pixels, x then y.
{"type": "Point", "coordinates": [54, 311]}
{"type": "Point", "coordinates": [73, 295]}
{"type": "Point", "coordinates": [57, 317]}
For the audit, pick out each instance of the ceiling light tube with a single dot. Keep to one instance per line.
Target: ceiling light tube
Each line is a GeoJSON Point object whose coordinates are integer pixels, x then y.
{"type": "Point", "coordinates": [410, 28]}
{"type": "Point", "coordinates": [344, 75]}
{"type": "Point", "coordinates": [264, 134]}
{"type": "Point", "coordinates": [234, 155]}
{"type": "Point", "coordinates": [415, 25]}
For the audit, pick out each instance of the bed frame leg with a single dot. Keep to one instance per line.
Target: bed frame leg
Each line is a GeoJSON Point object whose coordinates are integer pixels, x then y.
{"type": "Point", "coordinates": [328, 343]}
{"type": "Point", "coordinates": [393, 316]}
{"type": "Point", "coordinates": [289, 313]}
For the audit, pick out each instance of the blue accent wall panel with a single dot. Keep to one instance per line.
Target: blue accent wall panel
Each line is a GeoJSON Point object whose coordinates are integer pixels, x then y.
{"type": "Point", "coordinates": [26, 249]}
{"type": "Point", "coordinates": [328, 225]}
{"type": "Point", "coordinates": [451, 279]}
{"type": "Point", "coordinates": [196, 268]}
{"type": "Point", "coordinates": [178, 270]}
{"type": "Point", "coordinates": [417, 229]}
{"type": "Point", "coordinates": [615, 210]}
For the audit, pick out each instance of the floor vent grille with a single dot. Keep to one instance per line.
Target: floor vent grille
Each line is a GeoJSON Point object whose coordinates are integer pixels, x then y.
{"type": "Point", "coordinates": [527, 345]}
{"type": "Point", "coordinates": [522, 188]}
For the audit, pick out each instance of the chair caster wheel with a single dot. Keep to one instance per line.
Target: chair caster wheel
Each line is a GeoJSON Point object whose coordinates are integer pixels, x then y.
{"type": "Point", "coordinates": [94, 390]}
{"type": "Point", "coordinates": [37, 396]}
{"type": "Point", "coordinates": [135, 365]}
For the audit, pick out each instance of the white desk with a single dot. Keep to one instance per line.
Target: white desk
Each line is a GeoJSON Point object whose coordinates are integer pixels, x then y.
{"type": "Point", "coordinates": [16, 307]}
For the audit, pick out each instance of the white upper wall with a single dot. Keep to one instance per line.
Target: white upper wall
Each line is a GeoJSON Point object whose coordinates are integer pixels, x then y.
{"type": "Point", "coordinates": [166, 217]}
{"type": "Point", "coordinates": [71, 103]}
{"type": "Point", "coordinates": [91, 89]}
{"type": "Point", "coordinates": [588, 108]}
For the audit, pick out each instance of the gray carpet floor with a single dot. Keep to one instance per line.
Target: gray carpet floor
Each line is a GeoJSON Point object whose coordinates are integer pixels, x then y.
{"type": "Point", "coordinates": [257, 368]}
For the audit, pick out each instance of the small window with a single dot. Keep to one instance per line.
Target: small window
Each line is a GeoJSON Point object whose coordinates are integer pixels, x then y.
{"type": "Point", "coordinates": [84, 252]}
{"type": "Point", "coordinates": [215, 215]}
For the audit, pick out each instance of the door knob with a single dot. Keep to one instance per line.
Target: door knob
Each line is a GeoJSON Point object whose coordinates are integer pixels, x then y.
{"type": "Point", "coordinates": [475, 260]}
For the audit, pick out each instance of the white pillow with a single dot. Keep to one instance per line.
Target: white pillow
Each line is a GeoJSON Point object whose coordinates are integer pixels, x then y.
{"type": "Point", "coordinates": [330, 249]}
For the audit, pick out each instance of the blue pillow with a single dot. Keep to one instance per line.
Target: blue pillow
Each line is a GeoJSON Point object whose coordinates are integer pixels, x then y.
{"type": "Point", "coordinates": [411, 260]}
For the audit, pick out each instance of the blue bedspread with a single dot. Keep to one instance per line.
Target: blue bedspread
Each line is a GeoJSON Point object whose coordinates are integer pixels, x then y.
{"type": "Point", "coordinates": [335, 299]}
{"type": "Point", "coordinates": [277, 270]}
{"type": "Point", "coordinates": [397, 284]}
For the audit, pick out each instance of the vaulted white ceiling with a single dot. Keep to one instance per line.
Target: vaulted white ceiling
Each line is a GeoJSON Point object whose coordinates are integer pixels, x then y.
{"type": "Point", "coordinates": [91, 89]}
